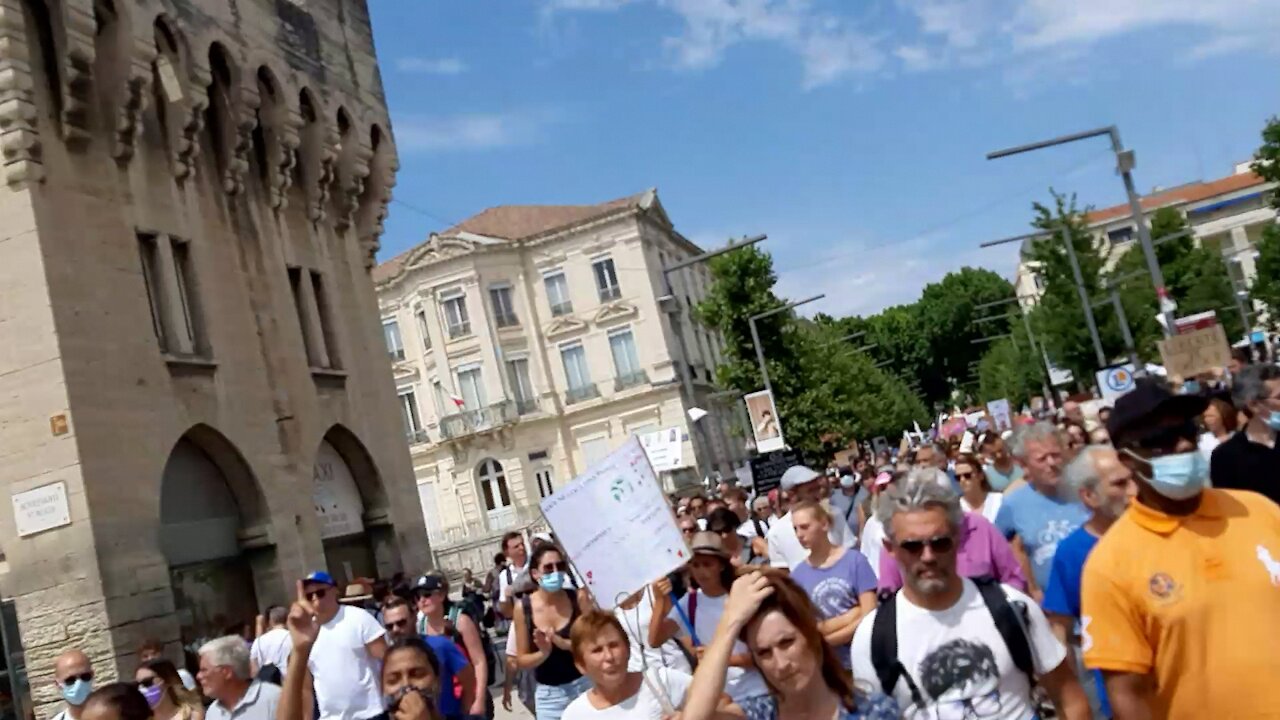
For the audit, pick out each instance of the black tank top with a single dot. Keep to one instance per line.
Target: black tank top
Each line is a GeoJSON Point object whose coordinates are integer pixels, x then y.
{"type": "Point", "coordinates": [558, 669]}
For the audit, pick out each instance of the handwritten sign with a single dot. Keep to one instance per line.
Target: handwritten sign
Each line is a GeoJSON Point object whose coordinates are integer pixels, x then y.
{"type": "Point", "coordinates": [616, 526]}
{"type": "Point", "coordinates": [40, 509]}
{"type": "Point", "coordinates": [1198, 351]}
{"type": "Point", "coordinates": [665, 449]}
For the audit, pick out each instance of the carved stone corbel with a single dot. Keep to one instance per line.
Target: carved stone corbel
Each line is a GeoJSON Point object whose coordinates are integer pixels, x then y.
{"type": "Point", "coordinates": [19, 134]}
{"type": "Point", "coordinates": [189, 120]}
{"type": "Point", "coordinates": [375, 208]}
{"type": "Point", "coordinates": [282, 137]}
{"type": "Point", "coordinates": [242, 118]}
{"type": "Point", "coordinates": [319, 153]}
{"type": "Point", "coordinates": [352, 172]}
{"type": "Point", "coordinates": [80, 27]}
{"type": "Point", "coordinates": [133, 100]}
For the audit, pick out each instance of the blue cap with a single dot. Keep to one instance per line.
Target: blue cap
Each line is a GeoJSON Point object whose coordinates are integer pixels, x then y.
{"type": "Point", "coordinates": [320, 576]}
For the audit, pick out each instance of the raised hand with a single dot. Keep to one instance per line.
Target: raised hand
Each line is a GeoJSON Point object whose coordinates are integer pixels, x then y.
{"type": "Point", "coordinates": [541, 640]}
{"type": "Point", "coordinates": [745, 597]}
{"type": "Point", "coordinates": [413, 706]}
{"type": "Point", "coordinates": [304, 626]}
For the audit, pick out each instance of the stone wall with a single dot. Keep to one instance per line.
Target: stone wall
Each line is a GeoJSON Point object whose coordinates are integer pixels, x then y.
{"type": "Point", "coordinates": [255, 134]}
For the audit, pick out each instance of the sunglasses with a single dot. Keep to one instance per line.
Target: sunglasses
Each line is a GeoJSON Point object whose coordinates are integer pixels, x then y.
{"type": "Point", "coordinates": [148, 682]}
{"type": "Point", "coordinates": [317, 594]}
{"type": "Point", "coordinates": [394, 624]}
{"type": "Point", "coordinates": [85, 677]}
{"type": "Point", "coordinates": [940, 545]}
{"type": "Point", "coordinates": [966, 475]}
{"type": "Point", "coordinates": [561, 566]}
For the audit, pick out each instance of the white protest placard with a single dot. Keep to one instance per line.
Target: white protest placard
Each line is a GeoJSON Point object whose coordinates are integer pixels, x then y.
{"type": "Point", "coordinates": [764, 421]}
{"type": "Point", "coordinates": [1115, 381]}
{"type": "Point", "coordinates": [40, 509]}
{"type": "Point", "coordinates": [616, 526]}
{"type": "Point", "coordinates": [1000, 415]}
{"type": "Point", "coordinates": [665, 449]}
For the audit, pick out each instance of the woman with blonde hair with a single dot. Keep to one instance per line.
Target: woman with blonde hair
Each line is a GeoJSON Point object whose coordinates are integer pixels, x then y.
{"type": "Point", "coordinates": [772, 615]}
{"type": "Point", "coordinates": [160, 684]}
{"type": "Point", "coordinates": [840, 581]}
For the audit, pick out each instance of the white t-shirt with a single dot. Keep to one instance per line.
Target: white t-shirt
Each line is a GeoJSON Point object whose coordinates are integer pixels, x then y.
{"type": "Point", "coordinates": [873, 542]}
{"type": "Point", "coordinates": [989, 508]}
{"type": "Point", "coordinates": [272, 648]}
{"type": "Point", "coordinates": [636, 623]}
{"type": "Point", "coordinates": [748, 528]}
{"type": "Point", "coordinates": [958, 659]}
{"type": "Point", "coordinates": [740, 683]}
{"type": "Point", "coordinates": [346, 675]}
{"type": "Point", "coordinates": [507, 576]}
{"type": "Point", "coordinates": [644, 705]}
{"type": "Point", "coordinates": [785, 550]}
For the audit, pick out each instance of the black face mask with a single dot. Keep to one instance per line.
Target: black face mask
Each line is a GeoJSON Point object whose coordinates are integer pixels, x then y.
{"type": "Point", "coordinates": [392, 702]}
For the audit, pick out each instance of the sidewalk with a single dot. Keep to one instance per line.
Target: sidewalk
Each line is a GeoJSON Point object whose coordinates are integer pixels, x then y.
{"type": "Point", "coordinates": [518, 711]}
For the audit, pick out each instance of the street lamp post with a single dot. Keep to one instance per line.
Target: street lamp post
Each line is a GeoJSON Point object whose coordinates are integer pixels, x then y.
{"type": "Point", "coordinates": [1124, 164]}
{"type": "Point", "coordinates": [755, 335]}
{"type": "Point", "coordinates": [702, 453]}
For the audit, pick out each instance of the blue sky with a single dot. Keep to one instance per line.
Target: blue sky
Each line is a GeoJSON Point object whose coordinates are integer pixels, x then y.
{"type": "Point", "coordinates": [852, 132]}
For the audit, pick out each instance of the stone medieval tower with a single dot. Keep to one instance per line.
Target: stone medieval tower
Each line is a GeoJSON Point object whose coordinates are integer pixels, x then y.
{"type": "Point", "coordinates": [196, 406]}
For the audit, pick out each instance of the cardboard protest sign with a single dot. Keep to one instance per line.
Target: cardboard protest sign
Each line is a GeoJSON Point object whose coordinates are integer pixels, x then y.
{"type": "Point", "coordinates": [1195, 352]}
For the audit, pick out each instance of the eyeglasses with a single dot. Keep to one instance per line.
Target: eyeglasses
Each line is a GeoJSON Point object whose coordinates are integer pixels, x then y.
{"type": "Point", "coordinates": [394, 624]}
{"type": "Point", "coordinates": [317, 594]}
{"type": "Point", "coordinates": [561, 566]}
{"type": "Point", "coordinates": [965, 475]}
{"type": "Point", "coordinates": [84, 677]}
{"type": "Point", "coordinates": [940, 545]}
{"type": "Point", "coordinates": [148, 682]}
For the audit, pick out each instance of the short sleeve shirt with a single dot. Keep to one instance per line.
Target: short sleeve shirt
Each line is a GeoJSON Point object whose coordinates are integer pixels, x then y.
{"type": "Point", "coordinates": [260, 702]}
{"type": "Point", "coordinates": [1041, 522]}
{"type": "Point", "coordinates": [644, 705]}
{"type": "Point", "coordinates": [1192, 601]}
{"type": "Point", "coordinates": [834, 590]}
{"type": "Point", "coordinates": [1062, 596]}
{"type": "Point", "coordinates": [347, 685]}
{"type": "Point", "coordinates": [451, 662]}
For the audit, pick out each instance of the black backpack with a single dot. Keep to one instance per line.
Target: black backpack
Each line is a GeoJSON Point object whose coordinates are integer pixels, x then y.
{"type": "Point", "coordinates": [884, 638]}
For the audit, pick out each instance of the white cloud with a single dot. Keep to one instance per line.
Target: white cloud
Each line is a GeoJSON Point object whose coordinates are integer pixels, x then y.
{"type": "Point", "coordinates": [431, 66]}
{"type": "Point", "coordinates": [473, 131]}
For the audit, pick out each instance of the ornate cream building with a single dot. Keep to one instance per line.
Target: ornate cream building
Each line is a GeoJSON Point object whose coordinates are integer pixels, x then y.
{"type": "Point", "coordinates": [528, 342]}
{"type": "Point", "coordinates": [195, 408]}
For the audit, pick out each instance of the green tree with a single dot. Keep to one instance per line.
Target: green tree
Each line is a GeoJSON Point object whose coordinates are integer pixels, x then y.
{"type": "Point", "coordinates": [1010, 370]}
{"type": "Point", "coordinates": [826, 393]}
{"type": "Point", "coordinates": [1266, 283]}
{"type": "Point", "coordinates": [948, 316]}
{"type": "Point", "coordinates": [1058, 318]}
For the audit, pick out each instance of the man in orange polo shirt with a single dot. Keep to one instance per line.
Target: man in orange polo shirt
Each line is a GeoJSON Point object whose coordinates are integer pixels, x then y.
{"type": "Point", "coordinates": [1181, 598]}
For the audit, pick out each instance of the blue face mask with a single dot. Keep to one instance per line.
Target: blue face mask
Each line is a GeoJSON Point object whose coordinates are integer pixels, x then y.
{"type": "Point", "coordinates": [1273, 421]}
{"type": "Point", "coordinates": [1178, 477]}
{"type": "Point", "coordinates": [552, 581]}
{"type": "Point", "coordinates": [77, 692]}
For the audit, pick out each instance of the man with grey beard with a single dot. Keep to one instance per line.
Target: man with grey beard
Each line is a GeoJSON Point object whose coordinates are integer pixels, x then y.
{"type": "Point", "coordinates": [1105, 486]}
{"type": "Point", "coordinates": [948, 646]}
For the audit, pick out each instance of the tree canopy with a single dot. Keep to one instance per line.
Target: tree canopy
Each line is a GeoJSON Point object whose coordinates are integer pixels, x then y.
{"type": "Point", "coordinates": [1266, 283]}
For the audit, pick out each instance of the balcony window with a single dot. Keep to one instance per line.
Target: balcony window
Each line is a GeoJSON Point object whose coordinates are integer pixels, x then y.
{"type": "Point", "coordinates": [521, 387]}
{"type": "Point", "coordinates": [471, 387]}
{"type": "Point", "coordinates": [577, 375]}
{"type": "Point", "coordinates": [606, 280]}
{"type": "Point", "coordinates": [493, 489]}
{"type": "Point", "coordinates": [409, 412]}
{"type": "Point", "coordinates": [558, 294]}
{"type": "Point", "coordinates": [423, 331]}
{"type": "Point", "coordinates": [391, 333]}
{"type": "Point", "coordinates": [545, 487]}
{"type": "Point", "coordinates": [456, 318]}
{"type": "Point", "coordinates": [626, 364]}
{"type": "Point", "coordinates": [504, 311]}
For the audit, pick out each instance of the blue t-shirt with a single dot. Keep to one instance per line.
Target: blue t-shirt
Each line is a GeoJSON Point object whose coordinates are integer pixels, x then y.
{"type": "Point", "coordinates": [998, 480]}
{"type": "Point", "coordinates": [835, 590]}
{"type": "Point", "coordinates": [1042, 522]}
{"type": "Point", "coordinates": [451, 661]}
{"type": "Point", "coordinates": [1062, 596]}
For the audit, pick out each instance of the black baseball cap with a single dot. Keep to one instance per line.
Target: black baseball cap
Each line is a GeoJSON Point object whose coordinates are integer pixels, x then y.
{"type": "Point", "coordinates": [1145, 405]}
{"type": "Point", "coordinates": [428, 584]}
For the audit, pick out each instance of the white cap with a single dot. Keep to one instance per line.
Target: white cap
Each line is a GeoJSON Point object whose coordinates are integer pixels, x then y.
{"type": "Point", "coordinates": [798, 475]}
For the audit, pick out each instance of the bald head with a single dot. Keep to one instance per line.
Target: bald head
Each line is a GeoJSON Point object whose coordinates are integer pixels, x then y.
{"type": "Point", "coordinates": [70, 663]}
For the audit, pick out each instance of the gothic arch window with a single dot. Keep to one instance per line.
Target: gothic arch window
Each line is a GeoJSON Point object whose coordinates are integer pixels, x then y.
{"type": "Point", "coordinates": [493, 486]}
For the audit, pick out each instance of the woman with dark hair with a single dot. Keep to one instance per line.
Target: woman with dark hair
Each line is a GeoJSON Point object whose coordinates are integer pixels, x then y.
{"type": "Point", "coordinates": [976, 495]}
{"type": "Point", "coordinates": [713, 574]}
{"type": "Point", "coordinates": [723, 522]}
{"type": "Point", "coordinates": [159, 683]}
{"type": "Point", "coordinates": [410, 679]}
{"type": "Point", "coordinates": [1219, 422]}
{"type": "Point", "coordinates": [774, 618]}
{"type": "Point", "coordinates": [542, 621]}
{"type": "Point", "coordinates": [117, 701]}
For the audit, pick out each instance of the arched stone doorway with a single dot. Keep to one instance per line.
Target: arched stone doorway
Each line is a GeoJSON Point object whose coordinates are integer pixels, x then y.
{"type": "Point", "coordinates": [351, 507]}
{"type": "Point", "coordinates": [213, 535]}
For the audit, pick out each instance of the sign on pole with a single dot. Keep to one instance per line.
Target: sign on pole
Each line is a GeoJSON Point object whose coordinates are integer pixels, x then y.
{"type": "Point", "coordinates": [1115, 381]}
{"type": "Point", "coordinates": [764, 421]}
{"type": "Point", "coordinates": [767, 469]}
{"type": "Point", "coordinates": [665, 449]}
{"type": "Point", "coordinates": [616, 525]}
{"type": "Point", "coordinates": [1000, 415]}
{"type": "Point", "coordinates": [1198, 351]}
